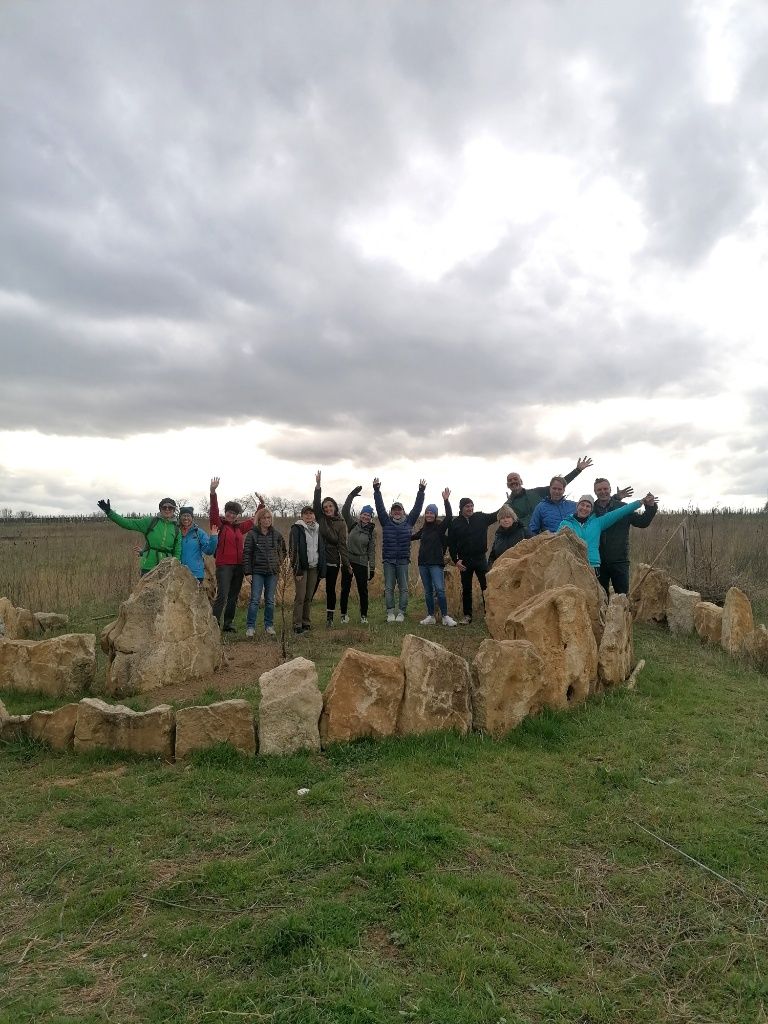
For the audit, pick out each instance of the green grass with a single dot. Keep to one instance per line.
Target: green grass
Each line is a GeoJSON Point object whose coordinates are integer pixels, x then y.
{"type": "Point", "coordinates": [432, 879]}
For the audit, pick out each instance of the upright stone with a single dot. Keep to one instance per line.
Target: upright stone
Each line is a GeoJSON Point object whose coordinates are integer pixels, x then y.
{"type": "Point", "coordinates": [102, 726]}
{"type": "Point", "coordinates": [681, 605]}
{"type": "Point", "coordinates": [164, 633]}
{"type": "Point", "coordinates": [616, 654]}
{"type": "Point", "coordinates": [363, 698]}
{"type": "Point", "coordinates": [559, 626]}
{"type": "Point", "coordinates": [13, 727]}
{"type": "Point", "coordinates": [226, 721]}
{"type": "Point", "coordinates": [708, 621]}
{"type": "Point", "coordinates": [506, 683]}
{"type": "Point", "coordinates": [19, 623]}
{"type": "Point", "coordinates": [47, 621]}
{"type": "Point", "coordinates": [290, 708]}
{"type": "Point", "coordinates": [436, 693]}
{"type": "Point", "coordinates": [54, 728]}
{"type": "Point", "coordinates": [649, 592]}
{"type": "Point", "coordinates": [62, 666]}
{"type": "Point", "coordinates": [738, 621]}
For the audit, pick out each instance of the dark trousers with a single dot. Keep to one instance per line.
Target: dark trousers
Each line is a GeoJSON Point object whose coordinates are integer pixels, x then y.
{"type": "Point", "coordinates": [616, 573]}
{"type": "Point", "coordinates": [331, 575]}
{"type": "Point", "coordinates": [361, 579]}
{"type": "Point", "coordinates": [306, 584]}
{"type": "Point", "coordinates": [229, 580]}
{"type": "Point", "coordinates": [479, 569]}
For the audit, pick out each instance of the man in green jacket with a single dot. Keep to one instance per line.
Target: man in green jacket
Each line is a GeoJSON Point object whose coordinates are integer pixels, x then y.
{"type": "Point", "coordinates": [161, 533]}
{"type": "Point", "coordinates": [523, 502]}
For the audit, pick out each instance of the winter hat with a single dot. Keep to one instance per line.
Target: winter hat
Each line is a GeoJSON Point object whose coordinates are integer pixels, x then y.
{"type": "Point", "coordinates": [186, 510]}
{"type": "Point", "coordinates": [465, 501]}
{"type": "Point", "coordinates": [166, 501]}
{"type": "Point", "coordinates": [368, 509]}
{"type": "Point", "coordinates": [432, 509]}
{"type": "Point", "coordinates": [587, 497]}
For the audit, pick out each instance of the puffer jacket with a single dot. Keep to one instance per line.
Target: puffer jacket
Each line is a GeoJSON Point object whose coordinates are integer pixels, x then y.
{"type": "Point", "coordinates": [591, 528]}
{"type": "Point", "coordinates": [263, 552]}
{"type": "Point", "coordinates": [230, 548]}
{"type": "Point", "coordinates": [506, 539]}
{"type": "Point", "coordinates": [548, 515]}
{"type": "Point", "coordinates": [361, 540]}
{"type": "Point", "coordinates": [162, 536]}
{"type": "Point", "coordinates": [334, 532]}
{"type": "Point", "coordinates": [396, 533]}
{"type": "Point", "coordinates": [525, 502]}
{"type": "Point", "coordinates": [194, 544]}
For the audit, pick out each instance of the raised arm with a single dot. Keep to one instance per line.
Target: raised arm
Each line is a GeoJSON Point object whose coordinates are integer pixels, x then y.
{"type": "Point", "coordinates": [448, 513]}
{"type": "Point", "coordinates": [378, 501]}
{"type": "Point", "coordinates": [581, 464]}
{"type": "Point", "coordinates": [346, 509]}
{"type": "Point", "coordinates": [415, 512]}
{"type": "Point", "coordinates": [317, 504]}
{"type": "Point", "coordinates": [646, 516]}
{"type": "Point", "coordinates": [213, 513]}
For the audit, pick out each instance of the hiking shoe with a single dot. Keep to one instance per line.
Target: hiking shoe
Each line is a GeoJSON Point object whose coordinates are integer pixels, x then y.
{"type": "Point", "coordinates": [448, 621]}
{"type": "Point", "coordinates": [400, 617]}
{"type": "Point", "coordinates": [270, 631]}
{"type": "Point", "coordinates": [228, 629]}
{"type": "Point", "coordinates": [345, 618]}
{"type": "Point", "coordinates": [429, 621]}
{"type": "Point", "coordinates": [390, 616]}
{"type": "Point", "coordinates": [363, 620]}
{"type": "Point", "coordinates": [466, 621]}
{"type": "Point", "coordinates": [249, 632]}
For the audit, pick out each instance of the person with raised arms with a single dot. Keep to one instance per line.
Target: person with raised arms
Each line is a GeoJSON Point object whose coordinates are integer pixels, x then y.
{"type": "Point", "coordinates": [585, 524]}
{"type": "Point", "coordinates": [334, 533]}
{"type": "Point", "coordinates": [361, 546]}
{"type": "Point", "coordinates": [162, 536]}
{"type": "Point", "coordinates": [432, 545]}
{"type": "Point", "coordinates": [524, 500]}
{"type": "Point", "coordinates": [614, 542]}
{"type": "Point", "coordinates": [195, 542]}
{"type": "Point", "coordinates": [396, 547]}
{"type": "Point", "coordinates": [229, 555]}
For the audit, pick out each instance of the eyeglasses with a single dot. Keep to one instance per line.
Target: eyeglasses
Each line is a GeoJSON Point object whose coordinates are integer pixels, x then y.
{"type": "Point", "coordinates": [167, 508]}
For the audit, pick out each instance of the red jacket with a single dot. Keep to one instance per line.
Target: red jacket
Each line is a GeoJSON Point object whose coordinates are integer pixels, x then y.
{"type": "Point", "coordinates": [231, 537]}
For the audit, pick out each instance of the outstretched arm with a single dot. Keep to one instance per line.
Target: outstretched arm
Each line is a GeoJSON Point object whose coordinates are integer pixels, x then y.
{"type": "Point", "coordinates": [646, 516]}
{"type": "Point", "coordinates": [213, 510]}
{"type": "Point", "coordinates": [317, 504]}
{"type": "Point", "coordinates": [415, 512]}
{"type": "Point", "coordinates": [618, 513]}
{"type": "Point", "coordinates": [346, 509]}
{"type": "Point", "coordinates": [581, 464]}
{"type": "Point", "coordinates": [378, 501]}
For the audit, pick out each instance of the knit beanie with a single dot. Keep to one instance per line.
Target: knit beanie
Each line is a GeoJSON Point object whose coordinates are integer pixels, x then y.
{"type": "Point", "coordinates": [186, 510]}
{"type": "Point", "coordinates": [432, 509]}
{"type": "Point", "coordinates": [465, 501]}
{"type": "Point", "coordinates": [587, 497]}
{"type": "Point", "coordinates": [368, 509]}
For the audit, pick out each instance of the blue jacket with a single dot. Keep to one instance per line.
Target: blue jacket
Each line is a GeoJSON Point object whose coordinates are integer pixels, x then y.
{"type": "Point", "coordinates": [590, 530]}
{"type": "Point", "coordinates": [194, 545]}
{"type": "Point", "coordinates": [396, 536]}
{"type": "Point", "coordinates": [548, 515]}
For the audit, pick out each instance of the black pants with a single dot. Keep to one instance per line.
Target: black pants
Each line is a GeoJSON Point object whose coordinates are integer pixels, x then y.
{"type": "Point", "coordinates": [479, 569]}
{"type": "Point", "coordinates": [331, 575]}
{"type": "Point", "coordinates": [361, 579]}
{"type": "Point", "coordinates": [616, 573]}
{"type": "Point", "coordinates": [229, 580]}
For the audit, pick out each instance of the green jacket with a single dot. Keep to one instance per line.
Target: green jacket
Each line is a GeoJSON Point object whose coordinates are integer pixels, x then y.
{"type": "Point", "coordinates": [527, 500]}
{"type": "Point", "coordinates": [163, 540]}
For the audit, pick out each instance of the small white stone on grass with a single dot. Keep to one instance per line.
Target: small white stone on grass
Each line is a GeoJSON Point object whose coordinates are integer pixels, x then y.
{"type": "Point", "coordinates": [302, 792]}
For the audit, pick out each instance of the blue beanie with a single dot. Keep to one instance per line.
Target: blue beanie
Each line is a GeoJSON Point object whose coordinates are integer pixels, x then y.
{"type": "Point", "coordinates": [431, 508]}
{"type": "Point", "coordinates": [368, 509]}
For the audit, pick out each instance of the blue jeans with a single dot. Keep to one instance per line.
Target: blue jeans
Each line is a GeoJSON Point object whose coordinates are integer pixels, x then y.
{"type": "Point", "coordinates": [395, 572]}
{"type": "Point", "coordinates": [433, 581]}
{"type": "Point", "coordinates": [266, 581]}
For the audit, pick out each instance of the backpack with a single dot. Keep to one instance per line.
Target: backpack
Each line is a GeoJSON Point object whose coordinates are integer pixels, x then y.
{"type": "Point", "coordinates": [162, 551]}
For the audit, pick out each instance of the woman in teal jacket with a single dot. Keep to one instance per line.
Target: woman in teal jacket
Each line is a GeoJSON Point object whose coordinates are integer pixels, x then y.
{"type": "Point", "coordinates": [589, 527]}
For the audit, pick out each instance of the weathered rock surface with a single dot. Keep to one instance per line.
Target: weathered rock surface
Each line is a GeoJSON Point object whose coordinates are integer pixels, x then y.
{"type": "Point", "coordinates": [650, 588]}
{"type": "Point", "coordinates": [559, 626]}
{"type": "Point", "coordinates": [756, 647]}
{"type": "Point", "coordinates": [19, 623]}
{"type": "Point", "coordinates": [46, 621]}
{"type": "Point", "coordinates": [708, 621]}
{"type": "Point", "coordinates": [57, 667]}
{"type": "Point", "coordinates": [436, 695]}
{"type": "Point", "coordinates": [55, 728]}
{"type": "Point", "coordinates": [738, 621]}
{"type": "Point", "coordinates": [506, 680]}
{"type": "Point", "coordinates": [616, 654]}
{"type": "Point", "coordinates": [164, 634]}
{"type": "Point", "coordinates": [535, 566]}
{"type": "Point", "coordinates": [363, 697]}
{"type": "Point", "coordinates": [13, 727]}
{"type": "Point", "coordinates": [681, 605]}
{"type": "Point", "coordinates": [290, 708]}
{"type": "Point", "coordinates": [453, 594]}
{"type": "Point", "coordinates": [227, 721]}
{"type": "Point", "coordinates": [102, 726]}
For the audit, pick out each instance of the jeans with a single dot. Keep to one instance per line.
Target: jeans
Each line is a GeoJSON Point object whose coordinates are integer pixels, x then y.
{"type": "Point", "coordinates": [479, 569]}
{"type": "Point", "coordinates": [616, 573]}
{"type": "Point", "coordinates": [360, 575]}
{"type": "Point", "coordinates": [266, 581]}
{"type": "Point", "coordinates": [229, 580]}
{"type": "Point", "coordinates": [395, 572]}
{"type": "Point", "coordinates": [433, 581]}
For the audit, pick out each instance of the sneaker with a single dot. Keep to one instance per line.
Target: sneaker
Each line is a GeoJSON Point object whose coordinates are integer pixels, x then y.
{"type": "Point", "coordinates": [250, 631]}
{"type": "Point", "coordinates": [363, 620]}
{"type": "Point", "coordinates": [466, 621]}
{"type": "Point", "coordinates": [448, 621]}
{"type": "Point", "coordinates": [429, 621]}
{"type": "Point", "coordinates": [400, 617]}
{"type": "Point", "coordinates": [229, 629]}
{"type": "Point", "coordinates": [345, 618]}
{"type": "Point", "coordinates": [390, 616]}
{"type": "Point", "coordinates": [270, 631]}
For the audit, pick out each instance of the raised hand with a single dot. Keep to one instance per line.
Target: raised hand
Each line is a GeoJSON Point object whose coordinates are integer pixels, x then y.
{"type": "Point", "coordinates": [357, 490]}
{"type": "Point", "coordinates": [625, 492]}
{"type": "Point", "coordinates": [422, 484]}
{"type": "Point", "coordinates": [214, 531]}
{"type": "Point", "coordinates": [650, 500]}
{"type": "Point", "coordinates": [214, 483]}
{"type": "Point", "coordinates": [376, 483]}
{"type": "Point", "coordinates": [317, 478]}
{"type": "Point", "coordinates": [104, 505]}
{"type": "Point", "coordinates": [583, 463]}
{"type": "Point", "coordinates": [446, 494]}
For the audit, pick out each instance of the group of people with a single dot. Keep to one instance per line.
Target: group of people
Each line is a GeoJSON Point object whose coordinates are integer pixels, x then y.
{"type": "Point", "coordinates": [336, 546]}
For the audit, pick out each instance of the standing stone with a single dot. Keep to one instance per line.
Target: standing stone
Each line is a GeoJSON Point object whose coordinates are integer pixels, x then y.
{"type": "Point", "coordinates": [708, 621]}
{"type": "Point", "coordinates": [62, 666]}
{"type": "Point", "coordinates": [559, 626]}
{"type": "Point", "coordinates": [535, 566]}
{"type": "Point", "coordinates": [102, 726]}
{"type": "Point", "coordinates": [164, 633]}
{"type": "Point", "coordinates": [46, 621]}
{"type": "Point", "coordinates": [290, 708]}
{"type": "Point", "coordinates": [19, 623]}
{"type": "Point", "coordinates": [54, 728]}
{"type": "Point", "coordinates": [738, 622]}
{"type": "Point", "coordinates": [363, 698]}
{"type": "Point", "coordinates": [453, 598]}
{"type": "Point", "coordinates": [756, 647]}
{"type": "Point", "coordinates": [227, 721]}
{"type": "Point", "coordinates": [649, 594]}
{"type": "Point", "coordinates": [680, 609]}
{"type": "Point", "coordinates": [436, 693]}
{"type": "Point", "coordinates": [506, 682]}
{"type": "Point", "coordinates": [616, 652]}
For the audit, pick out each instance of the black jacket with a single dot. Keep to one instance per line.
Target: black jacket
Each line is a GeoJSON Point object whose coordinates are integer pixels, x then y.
{"type": "Point", "coordinates": [506, 539]}
{"type": "Point", "coordinates": [468, 538]}
{"type": "Point", "coordinates": [433, 539]}
{"type": "Point", "coordinates": [263, 552]}
{"type": "Point", "coordinates": [614, 542]}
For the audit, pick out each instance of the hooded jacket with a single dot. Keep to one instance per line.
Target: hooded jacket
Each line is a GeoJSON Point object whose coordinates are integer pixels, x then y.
{"type": "Point", "coordinates": [297, 549]}
{"type": "Point", "coordinates": [163, 537]}
{"type": "Point", "coordinates": [591, 528]}
{"type": "Point", "coordinates": [194, 544]}
{"type": "Point", "coordinates": [361, 540]}
{"type": "Point", "coordinates": [333, 530]}
{"type": "Point", "coordinates": [230, 548]}
{"type": "Point", "coordinates": [396, 533]}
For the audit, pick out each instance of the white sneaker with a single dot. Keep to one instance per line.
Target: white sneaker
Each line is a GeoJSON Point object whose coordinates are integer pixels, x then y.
{"type": "Point", "coordinates": [363, 620]}
{"type": "Point", "coordinates": [390, 616]}
{"type": "Point", "coordinates": [448, 621]}
{"type": "Point", "coordinates": [250, 631]}
{"type": "Point", "coordinates": [429, 621]}
{"type": "Point", "coordinates": [345, 618]}
{"type": "Point", "coordinates": [400, 617]}
{"type": "Point", "coordinates": [270, 631]}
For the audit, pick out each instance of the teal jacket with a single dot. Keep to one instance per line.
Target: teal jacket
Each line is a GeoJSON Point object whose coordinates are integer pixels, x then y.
{"type": "Point", "coordinates": [163, 539]}
{"type": "Point", "coordinates": [590, 529]}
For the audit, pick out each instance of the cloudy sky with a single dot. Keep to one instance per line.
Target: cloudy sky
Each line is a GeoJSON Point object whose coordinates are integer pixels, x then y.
{"type": "Point", "coordinates": [413, 238]}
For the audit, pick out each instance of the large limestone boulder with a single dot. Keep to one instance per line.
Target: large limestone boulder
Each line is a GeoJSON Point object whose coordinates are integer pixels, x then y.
{"type": "Point", "coordinates": [649, 590]}
{"type": "Point", "coordinates": [227, 721]}
{"type": "Point", "coordinates": [708, 621]}
{"type": "Point", "coordinates": [18, 623]}
{"type": "Point", "coordinates": [57, 667]}
{"type": "Point", "coordinates": [164, 633]}
{"type": "Point", "coordinates": [102, 726]}
{"type": "Point", "coordinates": [436, 695]}
{"type": "Point", "coordinates": [363, 698]}
{"type": "Point", "coordinates": [47, 621]}
{"type": "Point", "coordinates": [559, 626]}
{"type": "Point", "coordinates": [681, 605]}
{"type": "Point", "coordinates": [290, 708]}
{"type": "Point", "coordinates": [755, 647]}
{"type": "Point", "coordinates": [453, 594]}
{"type": "Point", "coordinates": [535, 566]}
{"type": "Point", "coordinates": [54, 728]}
{"type": "Point", "coordinates": [616, 655]}
{"type": "Point", "coordinates": [738, 621]}
{"type": "Point", "coordinates": [506, 680]}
